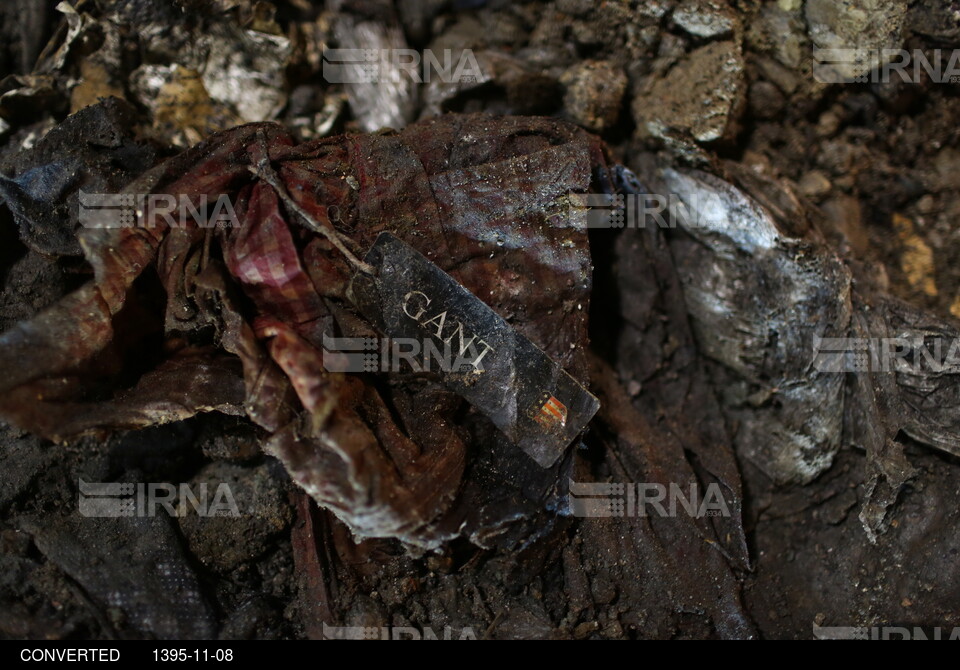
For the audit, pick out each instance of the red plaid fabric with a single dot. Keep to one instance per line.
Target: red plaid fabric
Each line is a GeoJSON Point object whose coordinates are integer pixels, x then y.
{"type": "Point", "coordinates": [263, 256]}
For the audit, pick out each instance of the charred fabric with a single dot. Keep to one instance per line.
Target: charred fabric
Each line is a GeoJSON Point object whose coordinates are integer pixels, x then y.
{"type": "Point", "coordinates": [471, 230]}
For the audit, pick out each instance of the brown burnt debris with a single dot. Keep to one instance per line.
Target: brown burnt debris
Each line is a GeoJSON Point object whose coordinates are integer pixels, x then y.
{"type": "Point", "coordinates": [633, 322]}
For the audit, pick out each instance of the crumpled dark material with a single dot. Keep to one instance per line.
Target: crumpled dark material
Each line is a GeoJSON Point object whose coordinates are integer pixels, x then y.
{"type": "Point", "coordinates": [761, 286]}
{"type": "Point", "coordinates": [132, 566]}
{"type": "Point", "coordinates": [483, 197]}
{"type": "Point", "coordinates": [93, 150]}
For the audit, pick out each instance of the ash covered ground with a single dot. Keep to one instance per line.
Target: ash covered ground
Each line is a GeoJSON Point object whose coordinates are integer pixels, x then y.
{"type": "Point", "coordinates": [824, 201]}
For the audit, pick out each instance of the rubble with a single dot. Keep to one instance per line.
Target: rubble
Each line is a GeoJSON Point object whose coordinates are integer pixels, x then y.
{"type": "Point", "coordinates": [701, 96]}
{"type": "Point", "coordinates": [870, 25]}
{"type": "Point", "coordinates": [594, 94]}
{"type": "Point", "coordinates": [801, 211]}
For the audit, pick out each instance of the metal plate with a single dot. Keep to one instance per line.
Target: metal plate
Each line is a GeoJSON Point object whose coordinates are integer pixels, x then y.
{"type": "Point", "coordinates": [477, 354]}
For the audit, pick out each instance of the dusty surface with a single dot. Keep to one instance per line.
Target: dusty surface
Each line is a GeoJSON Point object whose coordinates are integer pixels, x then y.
{"type": "Point", "coordinates": [689, 83]}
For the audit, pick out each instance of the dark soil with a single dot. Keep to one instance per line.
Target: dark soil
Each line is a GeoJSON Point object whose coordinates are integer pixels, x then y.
{"type": "Point", "coordinates": [879, 167]}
